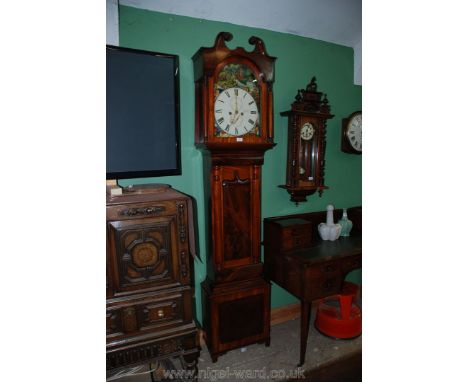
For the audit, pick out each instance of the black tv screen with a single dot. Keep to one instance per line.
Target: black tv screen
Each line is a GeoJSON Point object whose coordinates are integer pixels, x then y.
{"type": "Point", "coordinates": [142, 114]}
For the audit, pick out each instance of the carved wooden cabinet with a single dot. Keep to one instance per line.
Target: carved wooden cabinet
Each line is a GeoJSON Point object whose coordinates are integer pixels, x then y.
{"type": "Point", "coordinates": [149, 286]}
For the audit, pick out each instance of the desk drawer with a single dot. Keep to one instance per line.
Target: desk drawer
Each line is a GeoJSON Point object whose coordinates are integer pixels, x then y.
{"type": "Point", "coordinates": [298, 235]}
{"type": "Point", "coordinates": [351, 263]}
{"type": "Point", "coordinates": [323, 279]}
{"type": "Point", "coordinates": [296, 242]}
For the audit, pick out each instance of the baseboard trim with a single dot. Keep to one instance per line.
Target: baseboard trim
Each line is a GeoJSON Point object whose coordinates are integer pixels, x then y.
{"type": "Point", "coordinates": [285, 313]}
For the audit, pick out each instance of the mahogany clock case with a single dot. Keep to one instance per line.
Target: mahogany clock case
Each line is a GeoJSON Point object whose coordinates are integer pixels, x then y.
{"type": "Point", "coordinates": [307, 123]}
{"type": "Point", "coordinates": [235, 297]}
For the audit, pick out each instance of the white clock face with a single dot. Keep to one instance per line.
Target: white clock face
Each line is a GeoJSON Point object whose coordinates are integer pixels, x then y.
{"type": "Point", "coordinates": [354, 132]}
{"type": "Point", "coordinates": [235, 111]}
{"type": "Point", "coordinates": [307, 131]}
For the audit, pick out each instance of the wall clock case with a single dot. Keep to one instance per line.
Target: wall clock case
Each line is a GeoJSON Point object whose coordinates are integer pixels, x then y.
{"type": "Point", "coordinates": [234, 128]}
{"type": "Point", "coordinates": [307, 122]}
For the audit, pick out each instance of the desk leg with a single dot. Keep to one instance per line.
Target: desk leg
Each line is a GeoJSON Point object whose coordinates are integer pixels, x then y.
{"type": "Point", "coordinates": [305, 322]}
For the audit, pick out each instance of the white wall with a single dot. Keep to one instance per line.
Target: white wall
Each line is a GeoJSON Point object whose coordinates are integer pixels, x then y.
{"type": "Point", "coordinates": [358, 63]}
{"type": "Point", "coordinates": [112, 22]}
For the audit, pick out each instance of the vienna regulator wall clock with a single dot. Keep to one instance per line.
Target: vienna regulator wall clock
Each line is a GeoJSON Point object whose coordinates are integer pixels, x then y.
{"type": "Point", "coordinates": [305, 169]}
{"type": "Point", "coordinates": [351, 133]}
{"type": "Point", "coordinates": [234, 128]}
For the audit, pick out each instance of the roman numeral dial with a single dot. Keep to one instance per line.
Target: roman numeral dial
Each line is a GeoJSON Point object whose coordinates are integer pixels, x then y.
{"type": "Point", "coordinates": [236, 112]}
{"type": "Point", "coordinates": [354, 132]}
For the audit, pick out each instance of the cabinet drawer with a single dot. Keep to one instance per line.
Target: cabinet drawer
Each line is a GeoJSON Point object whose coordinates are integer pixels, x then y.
{"type": "Point", "coordinates": [295, 242]}
{"type": "Point", "coordinates": [147, 314]}
{"type": "Point", "coordinates": [146, 254]}
{"type": "Point", "coordinates": [295, 233]}
{"type": "Point", "coordinates": [140, 210]}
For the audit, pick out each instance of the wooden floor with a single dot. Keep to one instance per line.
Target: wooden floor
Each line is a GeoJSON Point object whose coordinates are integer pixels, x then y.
{"type": "Point", "coordinates": [348, 369]}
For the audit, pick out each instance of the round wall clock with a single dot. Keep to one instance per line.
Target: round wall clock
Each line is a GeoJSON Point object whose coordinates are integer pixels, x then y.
{"type": "Point", "coordinates": [351, 136]}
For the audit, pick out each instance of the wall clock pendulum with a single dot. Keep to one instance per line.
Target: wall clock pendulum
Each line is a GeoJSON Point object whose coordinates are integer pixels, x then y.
{"type": "Point", "coordinates": [234, 128]}
{"type": "Point", "coordinates": [307, 122]}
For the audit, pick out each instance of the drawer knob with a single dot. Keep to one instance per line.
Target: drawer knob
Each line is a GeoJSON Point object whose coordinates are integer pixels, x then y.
{"type": "Point", "coordinates": [160, 313]}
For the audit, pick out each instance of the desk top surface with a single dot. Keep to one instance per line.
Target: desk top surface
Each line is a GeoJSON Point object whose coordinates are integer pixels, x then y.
{"type": "Point", "coordinates": [328, 250]}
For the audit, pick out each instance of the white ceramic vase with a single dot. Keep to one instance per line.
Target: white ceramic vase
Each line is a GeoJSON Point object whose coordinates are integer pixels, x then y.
{"type": "Point", "coordinates": [329, 230]}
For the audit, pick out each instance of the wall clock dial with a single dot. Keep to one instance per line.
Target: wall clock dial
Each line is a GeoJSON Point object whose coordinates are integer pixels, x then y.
{"type": "Point", "coordinates": [351, 140]}
{"type": "Point", "coordinates": [236, 112]}
{"type": "Point", "coordinates": [307, 131]}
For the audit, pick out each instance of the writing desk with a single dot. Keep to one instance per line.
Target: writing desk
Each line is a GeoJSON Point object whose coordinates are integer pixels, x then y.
{"type": "Point", "coordinates": [298, 260]}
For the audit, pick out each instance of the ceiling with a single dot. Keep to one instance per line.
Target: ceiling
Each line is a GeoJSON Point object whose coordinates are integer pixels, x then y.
{"type": "Point", "coordinates": [336, 21]}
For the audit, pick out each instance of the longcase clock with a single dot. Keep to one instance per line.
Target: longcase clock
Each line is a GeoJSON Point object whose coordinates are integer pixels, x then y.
{"type": "Point", "coordinates": [234, 128]}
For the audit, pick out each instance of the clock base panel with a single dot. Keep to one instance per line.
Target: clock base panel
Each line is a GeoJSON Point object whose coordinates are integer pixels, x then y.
{"type": "Point", "coordinates": [236, 314]}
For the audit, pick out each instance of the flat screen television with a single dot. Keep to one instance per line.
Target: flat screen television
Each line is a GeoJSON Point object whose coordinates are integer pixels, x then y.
{"type": "Point", "coordinates": [142, 114]}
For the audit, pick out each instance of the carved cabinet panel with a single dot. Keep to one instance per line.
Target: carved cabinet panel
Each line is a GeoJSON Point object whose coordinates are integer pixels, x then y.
{"type": "Point", "coordinates": [144, 253]}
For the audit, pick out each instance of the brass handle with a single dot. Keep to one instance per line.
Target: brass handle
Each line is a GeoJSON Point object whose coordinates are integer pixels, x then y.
{"type": "Point", "coordinates": [160, 313]}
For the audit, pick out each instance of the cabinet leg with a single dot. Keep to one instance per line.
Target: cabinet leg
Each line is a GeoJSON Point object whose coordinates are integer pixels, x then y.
{"type": "Point", "coordinates": [305, 322]}
{"type": "Point", "coordinates": [214, 357]}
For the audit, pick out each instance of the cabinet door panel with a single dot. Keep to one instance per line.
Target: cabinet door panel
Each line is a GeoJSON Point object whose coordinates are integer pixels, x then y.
{"type": "Point", "coordinates": [143, 254]}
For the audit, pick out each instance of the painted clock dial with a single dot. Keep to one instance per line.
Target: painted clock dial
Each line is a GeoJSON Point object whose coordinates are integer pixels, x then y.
{"type": "Point", "coordinates": [354, 132]}
{"type": "Point", "coordinates": [236, 112]}
{"type": "Point", "coordinates": [237, 102]}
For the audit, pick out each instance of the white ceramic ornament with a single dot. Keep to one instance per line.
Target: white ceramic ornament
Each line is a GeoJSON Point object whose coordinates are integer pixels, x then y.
{"type": "Point", "coordinates": [329, 230]}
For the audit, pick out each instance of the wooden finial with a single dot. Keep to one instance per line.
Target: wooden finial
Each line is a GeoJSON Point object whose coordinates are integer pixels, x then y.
{"type": "Point", "coordinates": [221, 39]}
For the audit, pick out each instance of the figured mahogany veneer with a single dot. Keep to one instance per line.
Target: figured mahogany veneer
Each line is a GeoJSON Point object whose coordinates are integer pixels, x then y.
{"type": "Point", "coordinates": [299, 261]}
{"type": "Point", "coordinates": [149, 289]}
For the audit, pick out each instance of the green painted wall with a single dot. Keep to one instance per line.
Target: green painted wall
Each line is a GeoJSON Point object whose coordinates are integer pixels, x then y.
{"type": "Point", "coordinates": [298, 59]}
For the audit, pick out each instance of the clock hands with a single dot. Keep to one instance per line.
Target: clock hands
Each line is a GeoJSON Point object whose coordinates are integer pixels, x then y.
{"type": "Point", "coordinates": [237, 113]}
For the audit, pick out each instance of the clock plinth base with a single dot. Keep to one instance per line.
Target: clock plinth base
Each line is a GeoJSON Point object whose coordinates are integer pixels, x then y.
{"type": "Point", "coordinates": [299, 194]}
{"type": "Point", "coordinates": [236, 314]}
